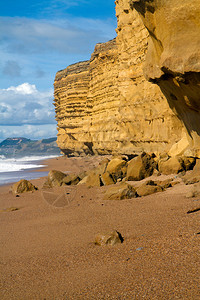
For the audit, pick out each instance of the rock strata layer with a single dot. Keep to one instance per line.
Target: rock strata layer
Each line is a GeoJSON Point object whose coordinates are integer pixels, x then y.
{"type": "Point", "coordinates": [173, 60]}
{"type": "Point", "coordinates": [106, 105]}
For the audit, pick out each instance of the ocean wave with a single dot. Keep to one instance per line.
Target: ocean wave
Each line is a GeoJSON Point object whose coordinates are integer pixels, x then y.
{"type": "Point", "coordinates": [26, 158]}
{"type": "Point", "coordinates": [23, 163]}
{"type": "Point", "coordinates": [13, 167]}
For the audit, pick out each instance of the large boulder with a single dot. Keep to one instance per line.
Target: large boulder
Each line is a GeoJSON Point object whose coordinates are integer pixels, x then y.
{"type": "Point", "coordinates": [55, 178]}
{"type": "Point", "coordinates": [120, 192]}
{"type": "Point", "coordinates": [111, 238]}
{"type": "Point", "coordinates": [140, 167]}
{"type": "Point", "coordinates": [117, 168]}
{"type": "Point", "coordinates": [101, 168]}
{"type": "Point", "coordinates": [73, 179]}
{"type": "Point", "coordinates": [107, 179]}
{"type": "Point", "coordinates": [23, 186]}
{"type": "Point", "coordinates": [173, 165]}
{"type": "Point", "coordinates": [92, 179]}
{"type": "Point", "coordinates": [148, 188]}
{"type": "Point", "coordinates": [193, 176]}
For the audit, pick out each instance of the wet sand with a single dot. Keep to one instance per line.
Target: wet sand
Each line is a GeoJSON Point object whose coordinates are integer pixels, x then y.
{"type": "Point", "coordinates": [48, 252]}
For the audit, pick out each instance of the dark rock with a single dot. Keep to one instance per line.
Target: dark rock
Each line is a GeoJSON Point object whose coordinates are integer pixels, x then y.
{"type": "Point", "coordinates": [71, 179]}
{"type": "Point", "coordinates": [117, 168]}
{"type": "Point", "coordinates": [193, 176]}
{"type": "Point", "coordinates": [140, 167]}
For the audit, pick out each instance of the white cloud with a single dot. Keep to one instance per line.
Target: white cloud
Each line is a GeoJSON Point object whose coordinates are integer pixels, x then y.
{"type": "Point", "coordinates": [24, 89]}
{"type": "Point", "coordinates": [24, 104]}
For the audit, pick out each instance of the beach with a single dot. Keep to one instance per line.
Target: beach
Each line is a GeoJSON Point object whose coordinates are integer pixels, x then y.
{"type": "Point", "coordinates": [48, 251]}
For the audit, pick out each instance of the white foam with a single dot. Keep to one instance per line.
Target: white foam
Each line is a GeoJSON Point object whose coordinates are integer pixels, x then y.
{"type": "Point", "coordinates": [20, 164]}
{"type": "Point", "coordinates": [13, 167]}
{"type": "Point", "coordinates": [28, 158]}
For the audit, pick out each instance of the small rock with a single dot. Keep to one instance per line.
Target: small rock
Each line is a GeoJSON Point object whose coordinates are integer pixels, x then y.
{"type": "Point", "coordinates": [139, 249]}
{"type": "Point", "coordinates": [10, 209]}
{"type": "Point", "coordinates": [23, 186]}
{"type": "Point", "coordinates": [111, 238]}
{"type": "Point", "coordinates": [120, 192]}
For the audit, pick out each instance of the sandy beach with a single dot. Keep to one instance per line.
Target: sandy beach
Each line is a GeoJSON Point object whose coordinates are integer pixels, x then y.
{"type": "Point", "coordinates": [48, 251]}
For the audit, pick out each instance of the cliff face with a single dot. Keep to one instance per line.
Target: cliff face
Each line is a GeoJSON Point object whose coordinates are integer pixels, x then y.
{"type": "Point", "coordinates": [173, 60]}
{"type": "Point", "coordinates": [106, 105]}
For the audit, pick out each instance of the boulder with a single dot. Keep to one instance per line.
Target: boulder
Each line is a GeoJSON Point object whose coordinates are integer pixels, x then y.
{"type": "Point", "coordinates": [195, 192]}
{"type": "Point", "coordinates": [140, 167]}
{"type": "Point", "coordinates": [92, 179]}
{"type": "Point", "coordinates": [189, 162]}
{"type": "Point", "coordinates": [164, 156]}
{"type": "Point", "coordinates": [55, 178]}
{"type": "Point", "coordinates": [193, 176]}
{"type": "Point", "coordinates": [117, 168]}
{"type": "Point", "coordinates": [101, 168]}
{"type": "Point", "coordinates": [165, 184]}
{"type": "Point", "coordinates": [173, 165]}
{"type": "Point", "coordinates": [71, 179]}
{"type": "Point", "coordinates": [120, 192]}
{"type": "Point", "coordinates": [111, 238]}
{"type": "Point", "coordinates": [148, 188]}
{"type": "Point", "coordinates": [23, 186]}
{"type": "Point", "coordinates": [107, 179]}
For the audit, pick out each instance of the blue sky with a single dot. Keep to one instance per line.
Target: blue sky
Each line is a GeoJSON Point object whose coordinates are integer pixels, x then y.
{"type": "Point", "coordinates": [38, 38]}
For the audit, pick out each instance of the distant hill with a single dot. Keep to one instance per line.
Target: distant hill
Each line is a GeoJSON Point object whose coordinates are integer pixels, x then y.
{"type": "Point", "coordinates": [19, 147]}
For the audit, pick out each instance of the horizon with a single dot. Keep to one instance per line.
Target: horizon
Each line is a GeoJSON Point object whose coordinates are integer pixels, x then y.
{"type": "Point", "coordinates": [39, 39]}
{"type": "Point", "coordinates": [22, 137]}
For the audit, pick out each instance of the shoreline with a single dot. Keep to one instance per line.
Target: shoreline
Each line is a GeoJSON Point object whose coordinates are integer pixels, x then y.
{"type": "Point", "coordinates": [61, 163]}
{"type": "Point", "coordinates": [45, 168]}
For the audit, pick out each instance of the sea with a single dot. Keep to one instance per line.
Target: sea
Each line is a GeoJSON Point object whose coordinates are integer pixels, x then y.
{"type": "Point", "coordinates": [14, 169]}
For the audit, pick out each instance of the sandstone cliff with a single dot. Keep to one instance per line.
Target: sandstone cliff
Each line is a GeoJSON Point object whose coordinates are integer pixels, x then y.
{"type": "Point", "coordinates": [173, 60]}
{"type": "Point", "coordinates": [106, 105]}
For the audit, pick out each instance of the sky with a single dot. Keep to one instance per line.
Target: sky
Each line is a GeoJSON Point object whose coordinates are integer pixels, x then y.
{"type": "Point", "coordinates": [37, 39]}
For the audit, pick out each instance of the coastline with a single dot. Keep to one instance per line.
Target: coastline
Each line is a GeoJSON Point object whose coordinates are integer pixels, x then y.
{"type": "Point", "coordinates": [28, 173]}
{"type": "Point", "coordinates": [49, 252]}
